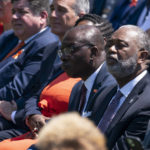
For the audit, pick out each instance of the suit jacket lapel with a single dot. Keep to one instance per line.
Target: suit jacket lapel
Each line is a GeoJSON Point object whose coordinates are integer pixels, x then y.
{"type": "Point", "coordinates": [96, 86]}
{"type": "Point", "coordinates": [101, 103]}
{"type": "Point", "coordinates": [76, 97]}
{"type": "Point", "coordinates": [130, 100]}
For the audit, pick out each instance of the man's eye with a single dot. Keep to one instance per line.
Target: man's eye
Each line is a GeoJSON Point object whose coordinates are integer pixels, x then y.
{"type": "Point", "coordinates": [23, 12]}
{"type": "Point", "coordinates": [109, 44]}
{"type": "Point", "coordinates": [121, 45]}
{"type": "Point", "coordinates": [51, 8]}
{"type": "Point", "coordinates": [60, 9]}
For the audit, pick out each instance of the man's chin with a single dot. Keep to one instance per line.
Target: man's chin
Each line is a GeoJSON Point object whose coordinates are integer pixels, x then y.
{"type": "Point", "coordinates": [18, 33]}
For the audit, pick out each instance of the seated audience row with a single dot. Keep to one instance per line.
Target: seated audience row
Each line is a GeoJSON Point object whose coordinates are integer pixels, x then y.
{"type": "Point", "coordinates": [119, 109]}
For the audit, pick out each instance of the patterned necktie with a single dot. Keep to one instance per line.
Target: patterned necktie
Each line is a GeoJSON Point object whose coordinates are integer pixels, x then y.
{"type": "Point", "coordinates": [13, 51]}
{"type": "Point", "coordinates": [82, 98]}
{"type": "Point", "coordinates": [110, 112]}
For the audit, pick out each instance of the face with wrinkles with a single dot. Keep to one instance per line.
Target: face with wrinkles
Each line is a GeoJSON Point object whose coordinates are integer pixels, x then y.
{"type": "Point", "coordinates": [122, 53]}
{"type": "Point", "coordinates": [24, 22]}
{"type": "Point", "coordinates": [63, 16]}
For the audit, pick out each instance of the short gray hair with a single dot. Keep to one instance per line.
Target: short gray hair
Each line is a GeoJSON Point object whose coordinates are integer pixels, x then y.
{"type": "Point", "coordinates": [142, 37]}
{"type": "Point", "coordinates": [82, 6]}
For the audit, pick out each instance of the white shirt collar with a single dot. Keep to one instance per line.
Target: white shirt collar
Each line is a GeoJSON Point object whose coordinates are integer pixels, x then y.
{"type": "Point", "coordinates": [90, 81]}
{"type": "Point", "coordinates": [127, 88]}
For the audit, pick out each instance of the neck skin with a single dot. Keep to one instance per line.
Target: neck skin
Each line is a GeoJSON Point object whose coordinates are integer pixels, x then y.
{"type": "Point", "coordinates": [93, 68]}
{"type": "Point", "coordinates": [61, 38]}
{"type": "Point", "coordinates": [88, 73]}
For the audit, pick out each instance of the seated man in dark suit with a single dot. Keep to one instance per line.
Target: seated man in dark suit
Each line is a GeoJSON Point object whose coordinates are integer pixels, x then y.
{"type": "Point", "coordinates": [19, 70]}
{"type": "Point", "coordinates": [30, 109]}
{"type": "Point", "coordinates": [124, 110]}
{"type": "Point", "coordinates": [82, 54]}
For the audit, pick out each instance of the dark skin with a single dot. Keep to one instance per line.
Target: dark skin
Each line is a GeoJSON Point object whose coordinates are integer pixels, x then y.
{"type": "Point", "coordinates": [123, 45]}
{"type": "Point", "coordinates": [91, 62]}
{"type": "Point", "coordinates": [85, 58]}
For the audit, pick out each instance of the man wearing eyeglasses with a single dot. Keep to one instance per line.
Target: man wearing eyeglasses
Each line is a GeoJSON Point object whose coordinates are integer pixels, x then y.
{"type": "Point", "coordinates": [82, 54]}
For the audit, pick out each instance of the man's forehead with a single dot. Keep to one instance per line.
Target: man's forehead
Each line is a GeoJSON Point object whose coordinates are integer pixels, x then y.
{"type": "Point", "coordinates": [63, 3]}
{"type": "Point", "coordinates": [125, 35]}
{"type": "Point", "coordinates": [21, 3]}
{"type": "Point", "coordinates": [123, 32]}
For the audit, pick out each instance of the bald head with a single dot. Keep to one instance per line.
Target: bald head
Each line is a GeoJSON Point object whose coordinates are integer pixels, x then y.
{"type": "Point", "coordinates": [86, 34]}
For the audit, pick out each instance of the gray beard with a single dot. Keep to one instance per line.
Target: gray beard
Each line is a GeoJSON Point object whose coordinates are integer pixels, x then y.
{"type": "Point", "coordinates": [123, 68]}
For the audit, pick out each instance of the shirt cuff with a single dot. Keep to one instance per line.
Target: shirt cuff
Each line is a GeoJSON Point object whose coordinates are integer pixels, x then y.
{"type": "Point", "coordinates": [13, 117]}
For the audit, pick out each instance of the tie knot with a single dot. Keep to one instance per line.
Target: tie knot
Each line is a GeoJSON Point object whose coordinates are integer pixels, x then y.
{"type": "Point", "coordinates": [21, 44]}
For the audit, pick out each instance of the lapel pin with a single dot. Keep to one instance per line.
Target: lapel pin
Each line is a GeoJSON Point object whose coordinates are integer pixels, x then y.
{"type": "Point", "coordinates": [15, 56]}
{"type": "Point", "coordinates": [131, 100]}
{"type": "Point", "coordinates": [95, 90]}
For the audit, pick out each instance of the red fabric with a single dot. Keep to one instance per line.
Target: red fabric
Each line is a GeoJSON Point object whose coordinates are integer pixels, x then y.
{"type": "Point", "coordinates": [14, 52]}
{"type": "Point", "coordinates": [16, 145]}
{"type": "Point", "coordinates": [133, 3]}
{"type": "Point", "coordinates": [53, 100]}
{"type": "Point", "coordinates": [55, 96]}
{"type": "Point", "coordinates": [1, 28]}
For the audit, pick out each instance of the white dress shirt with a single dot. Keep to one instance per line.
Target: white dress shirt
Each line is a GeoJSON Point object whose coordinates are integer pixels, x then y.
{"type": "Point", "coordinates": [89, 84]}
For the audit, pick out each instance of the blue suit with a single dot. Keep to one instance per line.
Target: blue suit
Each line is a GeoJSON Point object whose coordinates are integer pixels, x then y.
{"type": "Point", "coordinates": [50, 69]}
{"type": "Point", "coordinates": [103, 80]}
{"type": "Point", "coordinates": [8, 41]}
{"type": "Point", "coordinates": [124, 14]}
{"type": "Point", "coordinates": [17, 76]}
{"type": "Point", "coordinates": [132, 117]}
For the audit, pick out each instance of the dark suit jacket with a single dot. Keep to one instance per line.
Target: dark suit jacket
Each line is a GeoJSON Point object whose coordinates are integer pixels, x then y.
{"type": "Point", "coordinates": [131, 119]}
{"type": "Point", "coordinates": [102, 80]}
{"type": "Point", "coordinates": [17, 76]}
{"type": "Point", "coordinates": [7, 42]}
{"type": "Point", "coordinates": [146, 142]}
{"type": "Point", "coordinates": [49, 69]}
{"type": "Point", "coordinates": [124, 14]}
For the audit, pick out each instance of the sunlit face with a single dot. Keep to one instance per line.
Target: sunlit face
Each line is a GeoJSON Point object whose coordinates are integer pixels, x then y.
{"type": "Point", "coordinates": [77, 60]}
{"type": "Point", "coordinates": [62, 17]}
{"type": "Point", "coordinates": [5, 11]}
{"type": "Point", "coordinates": [24, 22]}
{"type": "Point", "coordinates": [121, 53]}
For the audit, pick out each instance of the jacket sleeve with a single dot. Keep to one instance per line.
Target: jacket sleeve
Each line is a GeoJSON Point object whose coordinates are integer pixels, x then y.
{"type": "Point", "coordinates": [25, 77]}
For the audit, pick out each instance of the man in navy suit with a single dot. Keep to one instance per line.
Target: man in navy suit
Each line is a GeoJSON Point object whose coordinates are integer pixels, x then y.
{"type": "Point", "coordinates": [19, 71]}
{"type": "Point", "coordinates": [82, 54]}
{"type": "Point", "coordinates": [60, 22]}
{"type": "Point", "coordinates": [126, 56]}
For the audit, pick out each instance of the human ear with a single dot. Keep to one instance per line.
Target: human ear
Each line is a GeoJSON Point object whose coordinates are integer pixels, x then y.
{"type": "Point", "coordinates": [44, 16]}
{"type": "Point", "coordinates": [94, 51]}
{"type": "Point", "coordinates": [143, 56]}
